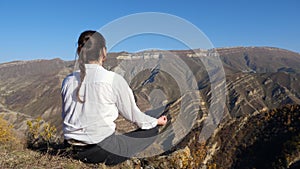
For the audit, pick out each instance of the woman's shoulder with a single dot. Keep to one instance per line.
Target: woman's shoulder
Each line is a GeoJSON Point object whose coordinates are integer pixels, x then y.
{"type": "Point", "coordinates": [114, 78]}
{"type": "Point", "coordinates": [112, 74]}
{"type": "Point", "coordinates": [74, 76]}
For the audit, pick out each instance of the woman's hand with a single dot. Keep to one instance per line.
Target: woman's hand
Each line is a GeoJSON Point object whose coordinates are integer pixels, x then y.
{"type": "Point", "coordinates": [162, 120]}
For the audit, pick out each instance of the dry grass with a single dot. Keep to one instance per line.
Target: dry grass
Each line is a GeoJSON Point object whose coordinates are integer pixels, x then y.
{"type": "Point", "coordinates": [24, 158]}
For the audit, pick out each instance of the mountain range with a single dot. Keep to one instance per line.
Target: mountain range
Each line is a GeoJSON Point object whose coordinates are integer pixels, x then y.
{"type": "Point", "coordinates": [261, 87]}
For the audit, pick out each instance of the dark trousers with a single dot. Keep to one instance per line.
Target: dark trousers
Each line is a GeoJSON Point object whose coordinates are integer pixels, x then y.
{"type": "Point", "coordinates": [117, 148]}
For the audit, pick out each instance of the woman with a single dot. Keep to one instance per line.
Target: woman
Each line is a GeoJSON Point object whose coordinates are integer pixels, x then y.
{"type": "Point", "coordinates": [92, 98]}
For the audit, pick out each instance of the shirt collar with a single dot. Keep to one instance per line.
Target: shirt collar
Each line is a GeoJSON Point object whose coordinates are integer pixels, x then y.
{"type": "Point", "coordinates": [92, 66]}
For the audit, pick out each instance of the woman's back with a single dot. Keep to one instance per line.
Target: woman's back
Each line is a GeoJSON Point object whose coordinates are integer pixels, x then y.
{"type": "Point", "coordinates": [91, 121]}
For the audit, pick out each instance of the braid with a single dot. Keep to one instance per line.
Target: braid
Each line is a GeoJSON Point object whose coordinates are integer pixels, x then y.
{"type": "Point", "coordinates": [82, 74]}
{"type": "Point", "coordinates": [89, 48]}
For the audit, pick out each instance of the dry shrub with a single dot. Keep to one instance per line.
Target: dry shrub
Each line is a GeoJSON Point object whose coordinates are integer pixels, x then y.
{"type": "Point", "coordinates": [40, 134]}
{"type": "Point", "coordinates": [8, 137]}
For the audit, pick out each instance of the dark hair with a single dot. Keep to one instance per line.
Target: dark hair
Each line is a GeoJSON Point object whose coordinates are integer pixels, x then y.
{"type": "Point", "coordinates": [90, 47]}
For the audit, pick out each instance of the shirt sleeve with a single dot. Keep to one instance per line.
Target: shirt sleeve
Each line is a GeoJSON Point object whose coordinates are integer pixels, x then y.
{"type": "Point", "coordinates": [126, 104]}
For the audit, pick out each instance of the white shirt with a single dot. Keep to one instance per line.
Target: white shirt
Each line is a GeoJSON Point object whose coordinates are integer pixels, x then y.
{"type": "Point", "coordinates": [105, 94]}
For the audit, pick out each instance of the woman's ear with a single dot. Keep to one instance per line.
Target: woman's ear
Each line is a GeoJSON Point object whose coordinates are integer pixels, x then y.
{"type": "Point", "coordinates": [103, 54]}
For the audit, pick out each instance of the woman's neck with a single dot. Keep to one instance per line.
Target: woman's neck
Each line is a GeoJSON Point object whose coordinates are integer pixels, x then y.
{"type": "Point", "coordinates": [95, 62]}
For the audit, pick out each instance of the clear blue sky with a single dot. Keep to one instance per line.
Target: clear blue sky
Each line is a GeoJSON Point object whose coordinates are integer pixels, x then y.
{"type": "Point", "coordinates": [49, 29]}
